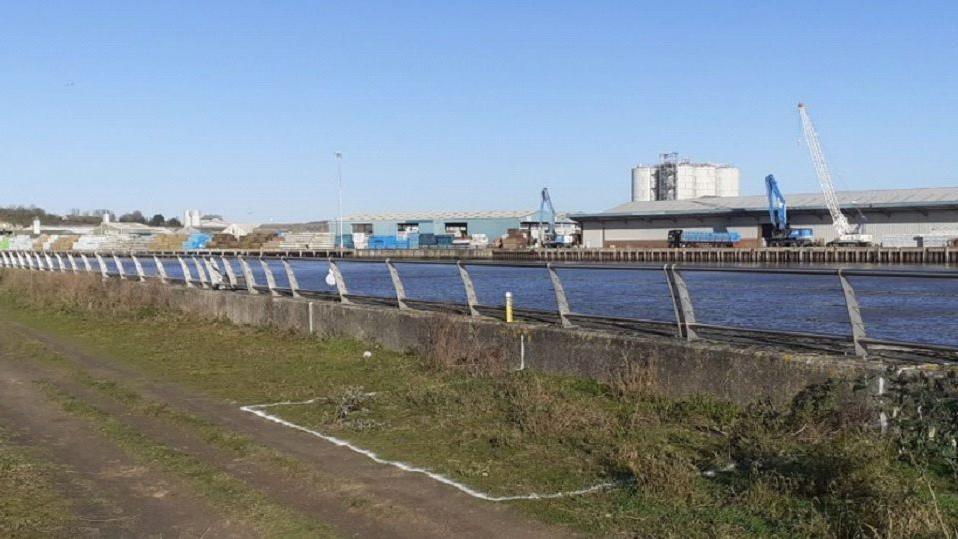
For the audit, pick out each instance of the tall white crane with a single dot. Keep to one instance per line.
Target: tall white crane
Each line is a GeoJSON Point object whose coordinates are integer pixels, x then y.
{"type": "Point", "coordinates": [847, 234]}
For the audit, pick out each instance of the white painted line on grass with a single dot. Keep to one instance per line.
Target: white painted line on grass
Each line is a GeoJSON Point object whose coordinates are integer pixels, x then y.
{"type": "Point", "coordinates": [257, 409]}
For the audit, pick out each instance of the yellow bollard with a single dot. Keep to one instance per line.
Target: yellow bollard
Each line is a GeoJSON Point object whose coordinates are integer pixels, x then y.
{"type": "Point", "coordinates": [508, 307]}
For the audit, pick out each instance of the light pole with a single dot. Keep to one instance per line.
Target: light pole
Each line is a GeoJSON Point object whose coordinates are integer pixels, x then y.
{"type": "Point", "coordinates": [339, 170]}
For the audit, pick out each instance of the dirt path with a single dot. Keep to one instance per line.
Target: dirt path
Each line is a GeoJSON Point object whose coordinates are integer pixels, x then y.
{"type": "Point", "coordinates": [120, 497]}
{"type": "Point", "coordinates": [354, 495]}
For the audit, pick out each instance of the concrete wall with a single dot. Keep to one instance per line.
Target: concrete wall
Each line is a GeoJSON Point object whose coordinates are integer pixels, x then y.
{"type": "Point", "coordinates": [666, 365]}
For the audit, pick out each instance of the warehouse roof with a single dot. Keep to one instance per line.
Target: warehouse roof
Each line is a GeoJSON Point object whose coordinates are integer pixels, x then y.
{"type": "Point", "coordinates": [885, 198]}
{"type": "Point", "coordinates": [437, 215]}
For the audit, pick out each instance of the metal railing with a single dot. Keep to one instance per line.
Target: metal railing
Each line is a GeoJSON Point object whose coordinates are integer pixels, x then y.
{"type": "Point", "coordinates": [218, 272]}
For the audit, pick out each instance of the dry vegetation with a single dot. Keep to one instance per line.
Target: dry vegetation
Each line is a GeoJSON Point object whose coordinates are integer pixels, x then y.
{"type": "Point", "coordinates": [689, 467]}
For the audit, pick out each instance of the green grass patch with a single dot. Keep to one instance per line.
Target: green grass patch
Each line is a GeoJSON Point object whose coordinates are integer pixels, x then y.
{"type": "Point", "coordinates": [695, 466]}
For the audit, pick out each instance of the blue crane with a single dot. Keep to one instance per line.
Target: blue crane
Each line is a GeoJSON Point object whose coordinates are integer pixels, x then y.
{"type": "Point", "coordinates": [547, 239]}
{"type": "Point", "coordinates": [781, 234]}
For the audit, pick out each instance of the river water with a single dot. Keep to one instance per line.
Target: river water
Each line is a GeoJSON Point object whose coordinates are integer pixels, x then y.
{"type": "Point", "coordinates": [894, 308]}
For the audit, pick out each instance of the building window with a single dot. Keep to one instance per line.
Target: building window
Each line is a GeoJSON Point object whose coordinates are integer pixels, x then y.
{"type": "Point", "coordinates": [363, 228]}
{"type": "Point", "coordinates": [412, 228]}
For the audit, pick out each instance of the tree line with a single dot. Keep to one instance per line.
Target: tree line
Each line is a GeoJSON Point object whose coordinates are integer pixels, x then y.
{"type": "Point", "coordinates": [24, 216]}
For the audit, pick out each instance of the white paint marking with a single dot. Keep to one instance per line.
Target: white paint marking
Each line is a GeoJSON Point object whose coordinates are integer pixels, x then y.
{"type": "Point", "coordinates": [257, 410]}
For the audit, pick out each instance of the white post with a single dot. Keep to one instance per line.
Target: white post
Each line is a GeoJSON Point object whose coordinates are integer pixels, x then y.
{"type": "Point", "coordinates": [119, 266]}
{"type": "Point", "coordinates": [63, 268]}
{"type": "Point", "coordinates": [73, 263]}
{"type": "Point", "coordinates": [200, 272]}
{"type": "Point", "coordinates": [160, 270]}
{"type": "Point", "coordinates": [339, 170]}
{"type": "Point", "coordinates": [102, 263]}
{"type": "Point", "coordinates": [187, 278]}
{"type": "Point", "coordinates": [86, 263]}
{"type": "Point", "coordinates": [139, 267]}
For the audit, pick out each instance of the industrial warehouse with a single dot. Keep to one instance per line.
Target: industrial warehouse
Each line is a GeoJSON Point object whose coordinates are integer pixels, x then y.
{"type": "Point", "coordinates": [893, 217]}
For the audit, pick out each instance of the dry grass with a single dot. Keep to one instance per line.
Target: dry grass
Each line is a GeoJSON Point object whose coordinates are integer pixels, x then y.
{"type": "Point", "coordinates": [452, 345]}
{"type": "Point", "coordinates": [84, 292]}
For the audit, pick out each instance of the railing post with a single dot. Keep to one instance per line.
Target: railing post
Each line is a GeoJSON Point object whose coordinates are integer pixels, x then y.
{"type": "Point", "coordinates": [561, 301]}
{"type": "Point", "coordinates": [340, 282]}
{"type": "Point", "coordinates": [471, 299]}
{"type": "Point", "coordinates": [291, 277]}
{"type": "Point", "coordinates": [213, 271]}
{"type": "Point", "coordinates": [21, 260]}
{"type": "Point", "coordinates": [102, 264]}
{"type": "Point", "coordinates": [200, 272]}
{"type": "Point", "coordinates": [229, 272]}
{"type": "Point", "coordinates": [248, 276]}
{"type": "Point", "coordinates": [854, 315]}
{"type": "Point", "coordinates": [681, 302]}
{"type": "Point", "coordinates": [3, 259]}
{"type": "Point", "coordinates": [49, 261]}
{"type": "Point", "coordinates": [160, 270]}
{"type": "Point", "coordinates": [187, 278]}
{"type": "Point", "coordinates": [40, 265]}
{"type": "Point", "coordinates": [119, 266]}
{"type": "Point", "coordinates": [397, 285]}
{"type": "Point", "coordinates": [60, 267]}
{"type": "Point", "coordinates": [73, 263]}
{"type": "Point", "coordinates": [86, 263]}
{"type": "Point", "coordinates": [139, 267]}
{"type": "Point", "coordinates": [270, 279]}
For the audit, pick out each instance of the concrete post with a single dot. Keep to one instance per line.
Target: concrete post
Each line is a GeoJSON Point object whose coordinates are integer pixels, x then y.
{"type": "Point", "coordinates": [160, 270]}
{"type": "Point", "coordinates": [187, 278]}
{"type": "Point", "coordinates": [681, 302]}
{"type": "Point", "coordinates": [139, 267]}
{"type": "Point", "coordinates": [230, 274]}
{"type": "Point", "coordinates": [270, 279]}
{"type": "Point", "coordinates": [340, 282]}
{"type": "Point", "coordinates": [291, 277]}
{"type": "Point", "coordinates": [854, 315]}
{"type": "Point", "coordinates": [561, 302]}
{"type": "Point", "coordinates": [471, 299]}
{"type": "Point", "coordinates": [248, 276]}
{"type": "Point", "coordinates": [397, 285]}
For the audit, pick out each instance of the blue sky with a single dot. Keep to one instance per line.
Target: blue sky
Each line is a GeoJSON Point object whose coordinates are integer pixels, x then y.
{"type": "Point", "coordinates": [238, 107]}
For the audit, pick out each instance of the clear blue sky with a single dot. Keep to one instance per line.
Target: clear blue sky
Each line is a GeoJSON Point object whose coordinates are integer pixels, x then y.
{"type": "Point", "coordinates": [238, 107]}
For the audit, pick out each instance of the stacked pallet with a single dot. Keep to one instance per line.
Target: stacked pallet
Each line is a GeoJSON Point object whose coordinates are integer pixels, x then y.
{"type": "Point", "coordinates": [306, 241]}
{"type": "Point", "coordinates": [64, 243]}
{"type": "Point", "coordinates": [167, 242]}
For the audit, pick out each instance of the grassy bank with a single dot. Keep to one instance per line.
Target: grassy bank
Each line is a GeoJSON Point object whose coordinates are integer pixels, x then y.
{"type": "Point", "coordinates": [691, 467]}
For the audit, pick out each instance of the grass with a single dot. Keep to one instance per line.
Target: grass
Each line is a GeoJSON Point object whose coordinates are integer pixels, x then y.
{"type": "Point", "coordinates": [694, 466]}
{"type": "Point", "coordinates": [30, 504]}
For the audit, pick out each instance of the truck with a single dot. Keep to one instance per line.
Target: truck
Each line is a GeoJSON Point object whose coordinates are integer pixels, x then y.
{"type": "Point", "coordinates": [692, 238]}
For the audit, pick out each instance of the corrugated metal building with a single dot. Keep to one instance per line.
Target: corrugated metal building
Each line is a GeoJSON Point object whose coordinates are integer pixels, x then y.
{"type": "Point", "coordinates": [890, 214]}
{"type": "Point", "coordinates": [458, 223]}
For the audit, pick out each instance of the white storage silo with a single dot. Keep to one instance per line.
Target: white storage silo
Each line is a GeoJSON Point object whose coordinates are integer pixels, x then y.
{"type": "Point", "coordinates": [641, 183]}
{"type": "Point", "coordinates": [727, 181]}
{"type": "Point", "coordinates": [705, 180]}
